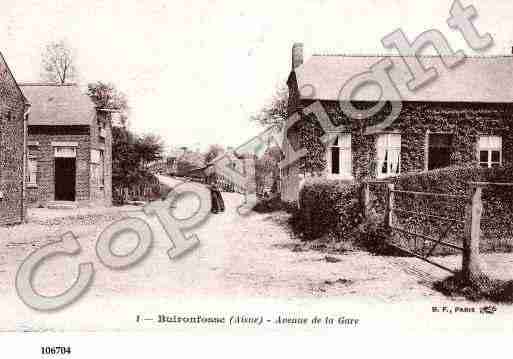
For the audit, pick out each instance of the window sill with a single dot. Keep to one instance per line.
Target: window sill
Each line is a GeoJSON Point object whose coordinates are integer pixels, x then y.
{"type": "Point", "coordinates": [31, 185]}
{"type": "Point", "coordinates": [388, 176]}
{"type": "Point", "coordinates": [339, 177]}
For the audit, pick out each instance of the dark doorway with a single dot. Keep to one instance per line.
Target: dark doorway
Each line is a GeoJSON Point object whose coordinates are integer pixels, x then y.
{"type": "Point", "coordinates": [440, 150]}
{"type": "Point", "coordinates": [65, 176]}
{"type": "Point", "coordinates": [335, 160]}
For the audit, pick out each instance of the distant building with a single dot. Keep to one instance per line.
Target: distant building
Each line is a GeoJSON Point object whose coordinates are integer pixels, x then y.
{"type": "Point", "coordinates": [172, 161]}
{"type": "Point", "coordinates": [69, 146]}
{"type": "Point", "coordinates": [242, 164]}
{"type": "Point", "coordinates": [13, 110]}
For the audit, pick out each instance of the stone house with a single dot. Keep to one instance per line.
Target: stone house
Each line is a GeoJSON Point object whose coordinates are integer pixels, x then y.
{"type": "Point", "coordinates": [69, 147]}
{"type": "Point", "coordinates": [464, 116]}
{"type": "Point", "coordinates": [13, 113]}
{"type": "Point", "coordinates": [215, 173]}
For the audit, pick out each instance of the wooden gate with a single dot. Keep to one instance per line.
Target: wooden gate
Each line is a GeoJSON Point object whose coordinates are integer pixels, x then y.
{"type": "Point", "coordinates": [470, 267]}
{"type": "Point", "coordinates": [447, 222]}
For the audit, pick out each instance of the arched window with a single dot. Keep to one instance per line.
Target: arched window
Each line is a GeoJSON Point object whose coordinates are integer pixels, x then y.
{"type": "Point", "coordinates": [338, 156]}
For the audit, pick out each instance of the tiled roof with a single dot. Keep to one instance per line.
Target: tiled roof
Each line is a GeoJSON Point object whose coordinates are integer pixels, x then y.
{"type": "Point", "coordinates": [476, 79]}
{"type": "Point", "coordinates": [58, 105]}
{"type": "Point", "coordinates": [175, 153]}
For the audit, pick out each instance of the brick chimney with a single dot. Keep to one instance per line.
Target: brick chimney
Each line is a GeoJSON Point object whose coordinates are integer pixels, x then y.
{"type": "Point", "coordinates": [297, 55]}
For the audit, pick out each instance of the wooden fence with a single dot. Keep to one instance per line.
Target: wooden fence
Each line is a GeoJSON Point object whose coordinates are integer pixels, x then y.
{"type": "Point", "coordinates": [141, 192]}
{"type": "Point", "coordinates": [470, 265]}
{"type": "Point", "coordinates": [224, 184]}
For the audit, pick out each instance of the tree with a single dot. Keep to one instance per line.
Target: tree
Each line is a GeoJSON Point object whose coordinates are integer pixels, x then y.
{"type": "Point", "coordinates": [275, 113]}
{"type": "Point", "coordinates": [267, 171]}
{"type": "Point", "coordinates": [107, 96]}
{"type": "Point", "coordinates": [58, 63]}
{"type": "Point", "coordinates": [124, 169]}
{"type": "Point", "coordinates": [131, 155]}
{"type": "Point", "coordinates": [189, 161]}
{"type": "Point", "coordinates": [213, 151]}
{"type": "Point", "coordinates": [148, 148]}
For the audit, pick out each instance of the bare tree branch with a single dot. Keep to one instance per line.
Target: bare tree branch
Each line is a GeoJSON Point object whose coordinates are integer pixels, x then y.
{"type": "Point", "coordinates": [58, 63]}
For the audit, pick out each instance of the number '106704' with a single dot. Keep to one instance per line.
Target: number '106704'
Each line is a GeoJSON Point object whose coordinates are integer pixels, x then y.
{"type": "Point", "coordinates": [55, 350]}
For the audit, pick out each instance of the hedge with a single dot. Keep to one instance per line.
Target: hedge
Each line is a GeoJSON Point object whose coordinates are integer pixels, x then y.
{"type": "Point", "coordinates": [147, 188]}
{"type": "Point", "coordinates": [329, 206]}
{"type": "Point", "coordinates": [334, 207]}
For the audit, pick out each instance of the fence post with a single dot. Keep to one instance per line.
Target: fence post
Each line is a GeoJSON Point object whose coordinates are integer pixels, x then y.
{"type": "Point", "coordinates": [390, 205]}
{"type": "Point", "coordinates": [471, 268]}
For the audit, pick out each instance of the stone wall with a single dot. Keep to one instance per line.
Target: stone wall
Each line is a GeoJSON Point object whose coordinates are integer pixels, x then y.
{"type": "Point", "coordinates": [12, 135]}
{"type": "Point", "coordinates": [102, 194]}
{"type": "Point", "coordinates": [87, 138]}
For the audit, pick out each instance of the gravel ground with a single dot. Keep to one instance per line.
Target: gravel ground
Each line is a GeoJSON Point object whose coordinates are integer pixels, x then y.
{"type": "Point", "coordinates": [239, 259]}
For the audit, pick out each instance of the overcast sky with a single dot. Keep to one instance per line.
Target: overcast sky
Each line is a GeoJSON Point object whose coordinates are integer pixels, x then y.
{"type": "Point", "coordinates": [194, 71]}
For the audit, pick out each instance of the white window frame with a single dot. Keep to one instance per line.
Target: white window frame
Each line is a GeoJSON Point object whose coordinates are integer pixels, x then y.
{"type": "Point", "coordinates": [387, 146]}
{"type": "Point", "coordinates": [102, 129]}
{"type": "Point", "coordinates": [343, 145]}
{"type": "Point", "coordinates": [65, 152]}
{"type": "Point", "coordinates": [31, 172]}
{"type": "Point", "coordinates": [489, 144]}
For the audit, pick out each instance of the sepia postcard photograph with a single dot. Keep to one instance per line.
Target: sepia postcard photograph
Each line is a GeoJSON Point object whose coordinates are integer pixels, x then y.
{"type": "Point", "coordinates": [323, 167]}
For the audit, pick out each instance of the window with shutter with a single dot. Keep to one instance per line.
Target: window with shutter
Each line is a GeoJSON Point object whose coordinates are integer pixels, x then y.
{"type": "Point", "coordinates": [32, 172]}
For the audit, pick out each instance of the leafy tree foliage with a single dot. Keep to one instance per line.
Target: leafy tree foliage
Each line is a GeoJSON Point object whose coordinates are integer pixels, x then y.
{"type": "Point", "coordinates": [275, 113]}
{"type": "Point", "coordinates": [149, 148]}
{"type": "Point", "coordinates": [267, 171]}
{"type": "Point", "coordinates": [107, 96]}
{"type": "Point", "coordinates": [213, 151]}
{"type": "Point", "coordinates": [131, 155]}
{"type": "Point", "coordinates": [189, 161]}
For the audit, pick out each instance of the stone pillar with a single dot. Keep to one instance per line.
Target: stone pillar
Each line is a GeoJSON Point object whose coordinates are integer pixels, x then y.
{"type": "Point", "coordinates": [390, 205]}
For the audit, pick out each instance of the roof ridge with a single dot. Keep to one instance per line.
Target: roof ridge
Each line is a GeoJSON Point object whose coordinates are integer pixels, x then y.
{"type": "Point", "coordinates": [52, 84]}
{"type": "Point", "coordinates": [12, 76]}
{"type": "Point", "coordinates": [397, 55]}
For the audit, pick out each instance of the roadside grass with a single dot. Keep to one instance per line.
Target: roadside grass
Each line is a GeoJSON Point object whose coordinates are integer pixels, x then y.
{"type": "Point", "coordinates": [369, 236]}
{"type": "Point", "coordinates": [270, 205]}
{"type": "Point", "coordinates": [481, 288]}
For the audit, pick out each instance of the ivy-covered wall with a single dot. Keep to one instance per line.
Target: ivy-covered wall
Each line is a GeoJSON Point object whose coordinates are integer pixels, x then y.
{"type": "Point", "coordinates": [466, 122]}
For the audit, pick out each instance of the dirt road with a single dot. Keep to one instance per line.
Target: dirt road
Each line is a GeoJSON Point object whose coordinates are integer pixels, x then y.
{"type": "Point", "coordinates": [239, 259]}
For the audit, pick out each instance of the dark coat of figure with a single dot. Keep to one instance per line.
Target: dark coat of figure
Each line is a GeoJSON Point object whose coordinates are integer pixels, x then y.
{"type": "Point", "coordinates": [217, 199]}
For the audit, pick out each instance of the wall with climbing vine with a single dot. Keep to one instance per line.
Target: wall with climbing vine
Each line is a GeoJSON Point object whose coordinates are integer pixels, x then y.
{"type": "Point", "coordinates": [465, 121]}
